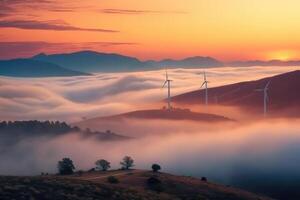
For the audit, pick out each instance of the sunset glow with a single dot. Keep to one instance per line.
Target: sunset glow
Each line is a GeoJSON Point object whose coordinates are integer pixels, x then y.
{"type": "Point", "coordinates": [227, 30]}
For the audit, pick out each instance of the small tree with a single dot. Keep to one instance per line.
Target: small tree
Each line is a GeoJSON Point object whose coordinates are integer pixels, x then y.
{"type": "Point", "coordinates": [102, 164]}
{"type": "Point", "coordinates": [156, 167]}
{"type": "Point", "coordinates": [127, 162]}
{"type": "Point", "coordinates": [65, 166]}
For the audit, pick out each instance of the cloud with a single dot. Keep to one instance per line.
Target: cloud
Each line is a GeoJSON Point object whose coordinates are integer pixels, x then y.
{"type": "Point", "coordinates": [27, 49]}
{"type": "Point", "coordinates": [124, 85]}
{"type": "Point", "coordinates": [55, 25]}
{"type": "Point", "coordinates": [103, 94]}
{"type": "Point", "coordinates": [137, 12]}
{"type": "Point", "coordinates": [21, 7]}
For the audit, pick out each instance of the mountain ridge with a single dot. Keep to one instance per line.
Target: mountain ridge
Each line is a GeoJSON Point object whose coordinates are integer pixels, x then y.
{"type": "Point", "coordinates": [34, 68]}
{"type": "Point", "coordinates": [91, 61]}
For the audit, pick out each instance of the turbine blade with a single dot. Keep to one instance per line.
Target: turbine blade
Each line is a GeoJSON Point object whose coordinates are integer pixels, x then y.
{"type": "Point", "coordinates": [202, 84]}
{"type": "Point", "coordinates": [164, 84]}
{"type": "Point", "coordinates": [167, 77]}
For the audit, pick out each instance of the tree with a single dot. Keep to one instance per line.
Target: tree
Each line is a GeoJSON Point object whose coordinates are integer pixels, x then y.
{"type": "Point", "coordinates": [102, 164]}
{"type": "Point", "coordinates": [65, 166]}
{"type": "Point", "coordinates": [127, 162]}
{"type": "Point", "coordinates": [156, 167]}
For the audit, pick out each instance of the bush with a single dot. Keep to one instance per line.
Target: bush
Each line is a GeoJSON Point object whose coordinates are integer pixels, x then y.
{"type": "Point", "coordinates": [91, 170]}
{"type": "Point", "coordinates": [112, 179]}
{"type": "Point", "coordinates": [204, 179]}
{"type": "Point", "coordinates": [65, 166]}
{"type": "Point", "coordinates": [155, 184]}
{"type": "Point", "coordinates": [80, 172]}
{"type": "Point", "coordinates": [156, 167]}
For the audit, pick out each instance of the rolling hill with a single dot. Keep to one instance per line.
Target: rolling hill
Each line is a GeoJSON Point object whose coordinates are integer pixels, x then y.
{"type": "Point", "coordinates": [283, 92]}
{"type": "Point", "coordinates": [132, 184]}
{"type": "Point", "coordinates": [162, 114]}
{"type": "Point", "coordinates": [34, 68]}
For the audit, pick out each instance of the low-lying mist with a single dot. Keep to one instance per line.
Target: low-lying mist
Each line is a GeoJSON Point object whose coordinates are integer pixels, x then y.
{"type": "Point", "coordinates": [73, 98]}
{"type": "Point", "coordinates": [219, 152]}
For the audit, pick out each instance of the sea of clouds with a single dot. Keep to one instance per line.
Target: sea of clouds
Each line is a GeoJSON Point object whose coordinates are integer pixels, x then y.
{"type": "Point", "coordinates": [74, 98]}
{"type": "Point", "coordinates": [249, 154]}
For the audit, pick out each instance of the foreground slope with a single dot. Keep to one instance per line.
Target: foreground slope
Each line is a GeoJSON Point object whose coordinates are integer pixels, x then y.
{"type": "Point", "coordinates": [283, 92]}
{"type": "Point", "coordinates": [133, 184]}
{"type": "Point", "coordinates": [34, 68]}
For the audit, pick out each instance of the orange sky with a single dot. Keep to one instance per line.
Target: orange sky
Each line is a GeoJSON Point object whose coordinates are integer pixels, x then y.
{"type": "Point", "coordinates": [225, 29]}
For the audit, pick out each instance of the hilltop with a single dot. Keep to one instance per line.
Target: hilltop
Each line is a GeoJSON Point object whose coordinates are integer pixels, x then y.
{"type": "Point", "coordinates": [283, 92]}
{"type": "Point", "coordinates": [163, 114]}
{"type": "Point", "coordinates": [132, 184]}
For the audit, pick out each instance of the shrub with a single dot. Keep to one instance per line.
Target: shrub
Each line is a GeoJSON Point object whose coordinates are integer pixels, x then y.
{"type": "Point", "coordinates": [80, 172]}
{"type": "Point", "coordinates": [156, 167]}
{"type": "Point", "coordinates": [91, 170]}
{"type": "Point", "coordinates": [112, 179]}
{"type": "Point", "coordinates": [204, 179]}
{"type": "Point", "coordinates": [155, 184]}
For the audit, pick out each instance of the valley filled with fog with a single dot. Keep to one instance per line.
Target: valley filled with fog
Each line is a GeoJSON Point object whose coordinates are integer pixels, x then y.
{"type": "Point", "coordinates": [233, 153]}
{"type": "Point", "coordinates": [73, 98]}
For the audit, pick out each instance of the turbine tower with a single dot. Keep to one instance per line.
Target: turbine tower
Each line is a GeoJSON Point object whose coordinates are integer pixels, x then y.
{"type": "Point", "coordinates": [168, 83]}
{"type": "Point", "coordinates": [266, 97]}
{"type": "Point", "coordinates": [205, 83]}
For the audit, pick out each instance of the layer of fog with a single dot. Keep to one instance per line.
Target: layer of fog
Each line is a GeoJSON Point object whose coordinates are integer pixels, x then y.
{"type": "Point", "coordinates": [74, 98]}
{"type": "Point", "coordinates": [219, 153]}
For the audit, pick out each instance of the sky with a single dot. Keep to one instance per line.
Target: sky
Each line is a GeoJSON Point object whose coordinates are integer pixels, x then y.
{"type": "Point", "coordinates": [226, 30]}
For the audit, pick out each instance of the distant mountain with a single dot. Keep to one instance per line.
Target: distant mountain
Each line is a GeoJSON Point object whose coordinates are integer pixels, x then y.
{"type": "Point", "coordinates": [72, 64]}
{"type": "Point", "coordinates": [89, 61]}
{"type": "Point", "coordinates": [263, 63]}
{"type": "Point", "coordinates": [190, 62]}
{"type": "Point", "coordinates": [34, 68]}
{"type": "Point", "coordinates": [283, 92]}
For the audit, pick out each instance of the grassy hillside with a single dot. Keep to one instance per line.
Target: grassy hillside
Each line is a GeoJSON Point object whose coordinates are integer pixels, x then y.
{"type": "Point", "coordinates": [132, 184]}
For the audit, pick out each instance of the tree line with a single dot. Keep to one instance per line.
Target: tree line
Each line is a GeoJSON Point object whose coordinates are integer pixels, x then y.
{"type": "Point", "coordinates": [36, 127]}
{"type": "Point", "coordinates": [67, 167]}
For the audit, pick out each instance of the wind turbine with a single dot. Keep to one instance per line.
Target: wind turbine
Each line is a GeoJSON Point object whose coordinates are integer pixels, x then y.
{"type": "Point", "coordinates": [266, 97]}
{"type": "Point", "coordinates": [168, 83]}
{"type": "Point", "coordinates": [205, 82]}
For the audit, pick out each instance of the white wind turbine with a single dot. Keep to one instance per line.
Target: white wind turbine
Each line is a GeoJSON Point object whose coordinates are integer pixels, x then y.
{"type": "Point", "coordinates": [266, 97]}
{"type": "Point", "coordinates": [205, 83]}
{"type": "Point", "coordinates": [168, 83]}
